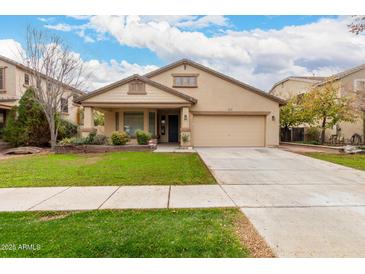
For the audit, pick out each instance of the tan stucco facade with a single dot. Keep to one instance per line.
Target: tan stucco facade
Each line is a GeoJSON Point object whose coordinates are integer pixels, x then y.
{"type": "Point", "coordinates": [292, 87]}
{"type": "Point", "coordinates": [220, 113]}
{"type": "Point", "coordinates": [15, 87]}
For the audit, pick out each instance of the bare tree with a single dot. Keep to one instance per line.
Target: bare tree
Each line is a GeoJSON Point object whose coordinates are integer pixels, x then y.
{"type": "Point", "coordinates": [358, 24]}
{"type": "Point", "coordinates": [54, 71]}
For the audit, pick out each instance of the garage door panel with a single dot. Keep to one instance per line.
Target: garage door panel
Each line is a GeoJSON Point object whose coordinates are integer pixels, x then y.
{"type": "Point", "coordinates": [228, 130]}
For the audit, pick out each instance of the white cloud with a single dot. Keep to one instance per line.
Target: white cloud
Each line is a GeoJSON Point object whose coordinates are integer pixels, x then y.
{"type": "Point", "coordinates": [99, 73]}
{"type": "Point", "coordinates": [259, 57]}
{"type": "Point", "coordinates": [61, 27]}
{"type": "Point", "coordinates": [11, 49]}
{"type": "Point", "coordinates": [204, 22]}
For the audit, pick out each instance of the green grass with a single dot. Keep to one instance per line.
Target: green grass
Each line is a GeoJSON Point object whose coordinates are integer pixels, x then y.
{"type": "Point", "coordinates": [119, 168]}
{"type": "Point", "coordinates": [128, 233]}
{"type": "Point", "coordinates": [350, 160]}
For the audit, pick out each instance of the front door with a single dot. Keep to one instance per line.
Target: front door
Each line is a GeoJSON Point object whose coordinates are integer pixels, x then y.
{"type": "Point", "coordinates": [173, 128]}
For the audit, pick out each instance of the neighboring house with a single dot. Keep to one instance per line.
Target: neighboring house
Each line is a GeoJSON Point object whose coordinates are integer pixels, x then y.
{"type": "Point", "coordinates": [351, 81]}
{"type": "Point", "coordinates": [15, 80]}
{"type": "Point", "coordinates": [188, 103]}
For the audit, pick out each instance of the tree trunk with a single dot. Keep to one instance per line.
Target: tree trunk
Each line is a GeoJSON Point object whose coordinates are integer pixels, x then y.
{"type": "Point", "coordinates": [323, 132]}
{"type": "Point", "coordinates": [52, 128]}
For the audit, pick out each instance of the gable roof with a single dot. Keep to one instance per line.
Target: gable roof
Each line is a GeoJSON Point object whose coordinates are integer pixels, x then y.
{"type": "Point", "coordinates": [342, 74]}
{"type": "Point", "coordinates": [140, 78]}
{"type": "Point", "coordinates": [307, 79]}
{"type": "Point", "coordinates": [21, 66]}
{"type": "Point", "coordinates": [215, 73]}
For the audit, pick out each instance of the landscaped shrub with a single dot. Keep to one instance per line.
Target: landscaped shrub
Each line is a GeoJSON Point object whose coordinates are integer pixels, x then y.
{"type": "Point", "coordinates": [90, 138]}
{"type": "Point", "coordinates": [68, 141]}
{"type": "Point", "coordinates": [143, 137]}
{"type": "Point", "coordinates": [27, 124]}
{"type": "Point", "coordinates": [119, 138]}
{"type": "Point", "coordinates": [66, 129]}
{"type": "Point", "coordinates": [100, 140]}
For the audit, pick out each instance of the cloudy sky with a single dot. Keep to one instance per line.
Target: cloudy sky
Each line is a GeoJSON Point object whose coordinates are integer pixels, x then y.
{"type": "Point", "coordinates": [258, 50]}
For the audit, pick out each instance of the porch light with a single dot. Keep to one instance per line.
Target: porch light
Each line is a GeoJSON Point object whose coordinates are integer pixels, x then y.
{"type": "Point", "coordinates": [185, 117]}
{"type": "Point", "coordinates": [273, 118]}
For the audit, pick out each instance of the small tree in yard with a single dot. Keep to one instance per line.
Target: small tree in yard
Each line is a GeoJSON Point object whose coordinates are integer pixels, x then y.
{"type": "Point", "coordinates": [53, 68]}
{"type": "Point", "coordinates": [291, 114]}
{"type": "Point", "coordinates": [324, 107]}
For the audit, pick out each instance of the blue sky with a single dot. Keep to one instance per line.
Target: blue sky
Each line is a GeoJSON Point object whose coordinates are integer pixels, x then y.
{"type": "Point", "coordinates": [256, 49]}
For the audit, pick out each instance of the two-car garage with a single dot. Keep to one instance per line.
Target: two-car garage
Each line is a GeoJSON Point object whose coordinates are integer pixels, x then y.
{"type": "Point", "coordinates": [228, 130]}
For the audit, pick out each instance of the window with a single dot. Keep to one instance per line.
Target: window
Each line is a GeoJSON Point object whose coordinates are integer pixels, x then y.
{"type": "Point", "coordinates": [185, 81]}
{"type": "Point", "coordinates": [133, 121]}
{"type": "Point", "coordinates": [359, 85]}
{"type": "Point", "coordinates": [152, 123]}
{"type": "Point", "coordinates": [137, 87]}
{"type": "Point", "coordinates": [26, 79]}
{"type": "Point", "coordinates": [2, 78]}
{"type": "Point", "coordinates": [64, 105]}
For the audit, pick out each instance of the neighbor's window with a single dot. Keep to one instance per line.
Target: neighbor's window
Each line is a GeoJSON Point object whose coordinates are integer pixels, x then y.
{"type": "Point", "coordinates": [152, 123]}
{"type": "Point", "coordinates": [64, 105]}
{"type": "Point", "coordinates": [26, 79]}
{"type": "Point", "coordinates": [133, 121]}
{"type": "Point", "coordinates": [137, 87]}
{"type": "Point", "coordinates": [185, 81]}
{"type": "Point", "coordinates": [359, 84]}
{"type": "Point", "coordinates": [2, 78]}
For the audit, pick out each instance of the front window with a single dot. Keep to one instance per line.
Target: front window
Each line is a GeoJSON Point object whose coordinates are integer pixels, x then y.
{"type": "Point", "coordinates": [152, 123]}
{"type": "Point", "coordinates": [26, 79]}
{"type": "Point", "coordinates": [64, 105]}
{"type": "Point", "coordinates": [2, 78]}
{"type": "Point", "coordinates": [185, 81]}
{"type": "Point", "coordinates": [133, 121]}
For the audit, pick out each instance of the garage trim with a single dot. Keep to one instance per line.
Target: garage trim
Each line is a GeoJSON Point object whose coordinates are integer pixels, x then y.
{"type": "Point", "coordinates": [231, 113]}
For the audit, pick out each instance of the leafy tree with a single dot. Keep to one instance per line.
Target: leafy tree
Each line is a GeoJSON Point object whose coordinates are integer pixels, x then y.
{"type": "Point", "coordinates": [323, 106]}
{"type": "Point", "coordinates": [98, 118]}
{"type": "Point", "coordinates": [27, 123]}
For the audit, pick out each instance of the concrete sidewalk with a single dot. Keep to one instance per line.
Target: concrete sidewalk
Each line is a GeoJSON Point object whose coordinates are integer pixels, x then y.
{"type": "Point", "coordinates": [112, 197]}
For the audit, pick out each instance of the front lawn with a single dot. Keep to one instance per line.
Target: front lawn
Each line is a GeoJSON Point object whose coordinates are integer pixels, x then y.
{"type": "Point", "coordinates": [350, 160]}
{"type": "Point", "coordinates": [118, 168]}
{"type": "Point", "coordinates": [128, 233]}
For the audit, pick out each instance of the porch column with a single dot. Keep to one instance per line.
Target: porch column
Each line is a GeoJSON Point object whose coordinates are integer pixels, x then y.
{"type": "Point", "coordinates": [185, 136]}
{"type": "Point", "coordinates": [88, 122]}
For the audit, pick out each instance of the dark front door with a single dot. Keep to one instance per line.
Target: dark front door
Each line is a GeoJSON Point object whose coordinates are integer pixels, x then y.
{"type": "Point", "coordinates": [173, 128]}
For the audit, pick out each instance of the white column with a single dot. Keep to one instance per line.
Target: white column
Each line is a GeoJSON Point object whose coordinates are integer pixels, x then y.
{"type": "Point", "coordinates": [88, 121]}
{"type": "Point", "coordinates": [185, 136]}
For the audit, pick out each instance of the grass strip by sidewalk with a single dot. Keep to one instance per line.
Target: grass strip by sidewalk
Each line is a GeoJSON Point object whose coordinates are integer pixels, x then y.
{"type": "Point", "coordinates": [128, 233]}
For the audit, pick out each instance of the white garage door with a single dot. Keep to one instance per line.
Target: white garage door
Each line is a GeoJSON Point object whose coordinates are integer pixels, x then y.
{"type": "Point", "coordinates": [228, 130]}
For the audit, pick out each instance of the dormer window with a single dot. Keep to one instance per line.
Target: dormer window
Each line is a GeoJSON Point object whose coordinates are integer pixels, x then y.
{"type": "Point", "coordinates": [185, 81]}
{"type": "Point", "coordinates": [137, 87]}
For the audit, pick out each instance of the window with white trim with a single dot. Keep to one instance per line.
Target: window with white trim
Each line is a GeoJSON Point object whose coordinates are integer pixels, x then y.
{"type": "Point", "coordinates": [64, 105]}
{"type": "Point", "coordinates": [26, 79]}
{"type": "Point", "coordinates": [185, 81]}
{"type": "Point", "coordinates": [359, 85]}
{"type": "Point", "coordinates": [2, 78]}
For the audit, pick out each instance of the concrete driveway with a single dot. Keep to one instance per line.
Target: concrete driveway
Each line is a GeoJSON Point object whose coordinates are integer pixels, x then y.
{"type": "Point", "coordinates": [303, 207]}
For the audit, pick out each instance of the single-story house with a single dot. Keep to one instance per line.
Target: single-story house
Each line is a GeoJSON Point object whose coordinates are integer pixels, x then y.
{"type": "Point", "coordinates": [187, 103]}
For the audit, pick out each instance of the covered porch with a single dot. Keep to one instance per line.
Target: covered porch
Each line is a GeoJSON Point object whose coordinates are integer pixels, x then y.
{"type": "Point", "coordinates": [168, 123]}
